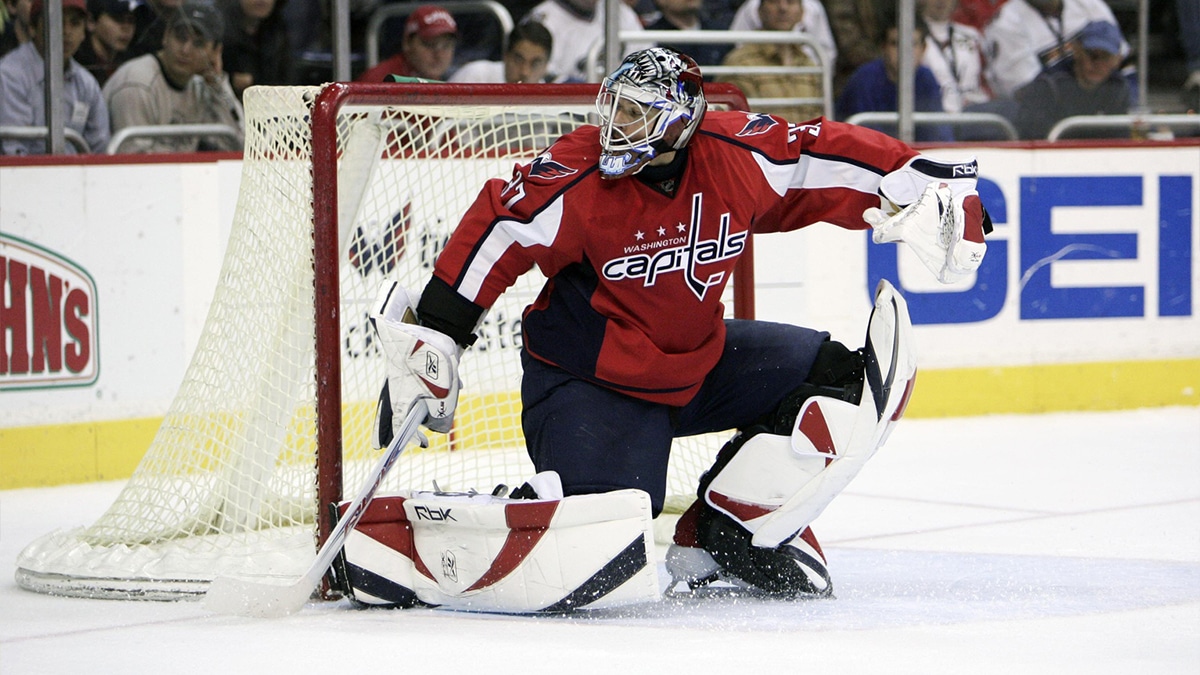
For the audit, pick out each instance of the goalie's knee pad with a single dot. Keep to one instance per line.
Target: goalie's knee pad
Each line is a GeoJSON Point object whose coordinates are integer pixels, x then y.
{"type": "Point", "coordinates": [776, 485]}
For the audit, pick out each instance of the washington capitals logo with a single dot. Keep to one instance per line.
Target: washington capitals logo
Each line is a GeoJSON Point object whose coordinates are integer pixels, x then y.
{"type": "Point", "coordinates": [685, 257]}
{"type": "Point", "coordinates": [757, 124]}
{"type": "Point", "coordinates": [544, 166]}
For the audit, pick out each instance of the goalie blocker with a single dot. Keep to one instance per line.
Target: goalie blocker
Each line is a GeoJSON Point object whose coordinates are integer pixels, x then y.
{"type": "Point", "coordinates": [493, 554]}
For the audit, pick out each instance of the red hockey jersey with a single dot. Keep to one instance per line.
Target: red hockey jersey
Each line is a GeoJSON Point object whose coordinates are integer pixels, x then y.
{"type": "Point", "coordinates": [635, 271]}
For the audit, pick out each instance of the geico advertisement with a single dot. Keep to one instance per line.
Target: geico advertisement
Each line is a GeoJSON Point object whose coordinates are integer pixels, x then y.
{"type": "Point", "coordinates": [1093, 258]}
{"type": "Point", "coordinates": [1077, 237]}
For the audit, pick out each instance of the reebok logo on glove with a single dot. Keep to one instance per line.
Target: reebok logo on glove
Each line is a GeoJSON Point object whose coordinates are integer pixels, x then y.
{"type": "Point", "coordinates": [432, 376]}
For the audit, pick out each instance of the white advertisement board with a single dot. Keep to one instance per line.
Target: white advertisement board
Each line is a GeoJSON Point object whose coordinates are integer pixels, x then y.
{"type": "Point", "coordinates": [151, 238]}
{"type": "Point", "coordinates": [1093, 258]}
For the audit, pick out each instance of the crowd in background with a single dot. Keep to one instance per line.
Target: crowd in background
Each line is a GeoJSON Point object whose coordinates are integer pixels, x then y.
{"type": "Point", "coordinates": [167, 62]}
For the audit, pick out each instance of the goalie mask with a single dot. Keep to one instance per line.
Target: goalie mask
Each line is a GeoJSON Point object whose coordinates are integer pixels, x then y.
{"type": "Point", "coordinates": [652, 103]}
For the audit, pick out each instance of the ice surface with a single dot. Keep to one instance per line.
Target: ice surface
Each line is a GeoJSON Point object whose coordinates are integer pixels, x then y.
{"type": "Point", "coordinates": [1065, 543]}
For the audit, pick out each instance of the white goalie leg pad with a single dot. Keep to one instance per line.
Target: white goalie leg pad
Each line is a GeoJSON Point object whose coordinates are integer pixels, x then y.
{"type": "Point", "coordinates": [484, 553]}
{"type": "Point", "coordinates": [776, 485]}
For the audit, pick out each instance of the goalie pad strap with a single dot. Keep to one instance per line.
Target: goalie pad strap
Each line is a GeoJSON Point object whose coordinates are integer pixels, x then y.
{"type": "Point", "coordinates": [485, 553]}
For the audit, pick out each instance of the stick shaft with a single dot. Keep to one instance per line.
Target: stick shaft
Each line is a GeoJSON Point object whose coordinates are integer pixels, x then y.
{"type": "Point", "coordinates": [227, 595]}
{"type": "Point", "coordinates": [358, 507]}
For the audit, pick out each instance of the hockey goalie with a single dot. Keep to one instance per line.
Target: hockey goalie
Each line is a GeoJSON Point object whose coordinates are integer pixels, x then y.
{"type": "Point", "coordinates": [637, 224]}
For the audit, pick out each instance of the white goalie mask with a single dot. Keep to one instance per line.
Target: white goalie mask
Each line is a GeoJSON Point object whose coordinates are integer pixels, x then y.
{"type": "Point", "coordinates": [652, 103]}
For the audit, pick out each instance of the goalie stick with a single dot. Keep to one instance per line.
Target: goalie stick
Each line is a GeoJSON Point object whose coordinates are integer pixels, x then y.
{"type": "Point", "coordinates": [227, 595]}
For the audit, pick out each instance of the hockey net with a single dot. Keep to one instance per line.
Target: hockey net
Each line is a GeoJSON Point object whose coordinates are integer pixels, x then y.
{"type": "Point", "coordinates": [342, 187]}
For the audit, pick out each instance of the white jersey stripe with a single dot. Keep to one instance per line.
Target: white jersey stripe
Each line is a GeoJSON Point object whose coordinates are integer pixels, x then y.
{"type": "Point", "coordinates": [542, 230]}
{"type": "Point", "coordinates": [821, 173]}
{"type": "Point", "coordinates": [815, 173]}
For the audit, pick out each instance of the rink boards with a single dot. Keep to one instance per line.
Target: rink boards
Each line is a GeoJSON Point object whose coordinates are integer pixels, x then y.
{"type": "Point", "coordinates": [1086, 300]}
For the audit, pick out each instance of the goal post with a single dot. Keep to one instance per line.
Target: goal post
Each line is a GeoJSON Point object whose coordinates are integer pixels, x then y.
{"type": "Point", "coordinates": [343, 186]}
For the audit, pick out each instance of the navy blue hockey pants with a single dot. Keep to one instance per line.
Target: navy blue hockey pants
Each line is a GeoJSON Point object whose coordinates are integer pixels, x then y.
{"type": "Point", "coordinates": [600, 440]}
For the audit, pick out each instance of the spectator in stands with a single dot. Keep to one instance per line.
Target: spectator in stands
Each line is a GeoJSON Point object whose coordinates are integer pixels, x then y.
{"type": "Point", "coordinates": [779, 15]}
{"type": "Point", "coordinates": [720, 12]}
{"type": "Point", "coordinates": [872, 88]}
{"type": "Point", "coordinates": [954, 52]}
{"type": "Point", "coordinates": [1029, 36]}
{"type": "Point", "coordinates": [647, 10]}
{"type": "Point", "coordinates": [182, 83]}
{"type": "Point", "coordinates": [110, 30]}
{"type": "Point", "coordinates": [427, 48]}
{"type": "Point", "coordinates": [22, 85]}
{"type": "Point", "coordinates": [14, 24]}
{"type": "Point", "coordinates": [577, 25]}
{"type": "Point", "coordinates": [151, 17]}
{"type": "Point", "coordinates": [689, 15]}
{"type": "Point", "coordinates": [257, 49]}
{"type": "Point", "coordinates": [858, 27]}
{"type": "Point", "coordinates": [528, 54]}
{"type": "Point", "coordinates": [815, 24]}
{"type": "Point", "coordinates": [976, 13]}
{"type": "Point", "coordinates": [306, 26]}
{"type": "Point", "coordinates": [1087, 84]}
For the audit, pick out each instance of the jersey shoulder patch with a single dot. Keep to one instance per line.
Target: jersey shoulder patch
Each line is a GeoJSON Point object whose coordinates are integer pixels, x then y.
{"type": "Point", "coordinates": [570, 155]}
{"type": "Point", "coordinates": [545, 166]}
{"type": "Point", "coordinates": [756, 124]}
{"type": "Point", "coordinates": [760, 133]}
{"type": "Point", "coordinates": [740, 124]}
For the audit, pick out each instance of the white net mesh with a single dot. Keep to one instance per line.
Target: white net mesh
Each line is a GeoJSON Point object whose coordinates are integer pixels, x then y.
{"type": "Point", "coordinates": [227, 487]}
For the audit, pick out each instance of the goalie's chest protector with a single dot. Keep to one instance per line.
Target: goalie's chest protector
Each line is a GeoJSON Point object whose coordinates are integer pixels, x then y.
{"type": "Point", "coordinates": [637, 269]}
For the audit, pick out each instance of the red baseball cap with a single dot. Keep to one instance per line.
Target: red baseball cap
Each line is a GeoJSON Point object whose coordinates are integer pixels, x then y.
{"type": "Point", "coordinates": [35, 10]}
{"type": "Point", "coordinates": [430, 21]}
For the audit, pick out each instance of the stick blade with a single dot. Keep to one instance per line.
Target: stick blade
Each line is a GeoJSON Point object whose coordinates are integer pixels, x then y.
{"type": "Point", "coordinates": [253, 599]}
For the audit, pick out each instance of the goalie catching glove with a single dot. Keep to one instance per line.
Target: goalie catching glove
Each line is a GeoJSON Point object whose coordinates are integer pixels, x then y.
{"type": "Point", "coordinates": [422, 366]}
{"type": "Point", "coordinates": [944, 225]}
